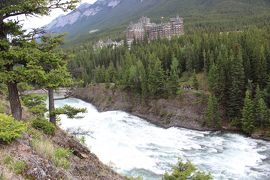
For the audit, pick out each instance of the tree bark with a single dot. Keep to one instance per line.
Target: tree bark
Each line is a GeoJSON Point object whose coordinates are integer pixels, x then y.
{"type": "Point", "coordinates": [14, 100]}
{"type": "Point", "coordinates": [51, 106]}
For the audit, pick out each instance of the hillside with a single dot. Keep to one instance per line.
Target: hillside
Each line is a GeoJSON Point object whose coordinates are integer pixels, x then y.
{"type": "Point", "coordinates": [40, 156]}
{"type": "Point", "coordinates": [109, 17]}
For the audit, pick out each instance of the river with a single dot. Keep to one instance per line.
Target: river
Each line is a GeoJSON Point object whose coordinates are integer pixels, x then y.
{"type": "Point", "coordinates": [134, 147]}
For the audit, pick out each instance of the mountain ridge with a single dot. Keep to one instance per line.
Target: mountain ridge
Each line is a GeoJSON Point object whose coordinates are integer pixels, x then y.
{"type": "Point", "coordinates": [112, 16]}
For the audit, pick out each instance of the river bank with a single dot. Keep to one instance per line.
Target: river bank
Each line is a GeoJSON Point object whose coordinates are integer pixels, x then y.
{"type": "Point", "coordinates": [185, 110]}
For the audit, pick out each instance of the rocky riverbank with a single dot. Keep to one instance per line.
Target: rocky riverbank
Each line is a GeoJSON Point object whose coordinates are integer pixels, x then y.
{"type": "Point", "coordinates": [185, 110]}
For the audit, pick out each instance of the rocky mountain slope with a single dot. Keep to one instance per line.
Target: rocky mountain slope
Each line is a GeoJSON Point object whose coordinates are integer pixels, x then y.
{"type": "Point", "coordinates": [110, 15]}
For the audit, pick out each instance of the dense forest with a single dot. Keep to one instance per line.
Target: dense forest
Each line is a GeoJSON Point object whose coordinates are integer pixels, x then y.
{"type": "Point", "coordinates": [235, 64]}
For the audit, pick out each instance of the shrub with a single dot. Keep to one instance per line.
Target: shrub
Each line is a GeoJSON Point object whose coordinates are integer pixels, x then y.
{"type": "Point", "coordinates": [44, 125]}
{"type": "Point", "coordinates": [10, 129]}
{"type": "Point", "coordinates": [61, 156]}
{"type": "Point", "coordinates": [186, 171]}
{"type": "Point", "coordinates": [19, 167]}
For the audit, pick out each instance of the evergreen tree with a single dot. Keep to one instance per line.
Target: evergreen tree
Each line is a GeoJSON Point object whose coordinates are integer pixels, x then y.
{"type": "Point", "coordinates": [195, 82]}
{"type": "Point", "coordinates": [10, 30]}
{"type": "Point", "coordinates": [213, 118]}
{"type": "Point", "coordinates": [261, 111]}
{"type": "Point", "coordinates": [237, 87]}
{"type": "Point", "coordinates": [53, 72]}
{"type": "Point", "coordinates": [248, 114]}
{"type": "Point", "coordinates": [142, 78]}
{"type": "Point", "coordinates": [267, 93]}
{"type": "Point", "coordinates": [216, 81]}
{"type": "Point", "coordinates": [173, 76]}
{"type": "Point", "coordinates": [156, 77]}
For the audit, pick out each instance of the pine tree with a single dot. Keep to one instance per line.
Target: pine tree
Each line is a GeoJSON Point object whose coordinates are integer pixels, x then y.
{"type": "Point", "coordinates": [156, 76]}
{"type": "Point", "coordinates": [236, 91]}
{"type": "Point", "coordinates": [216, 81]}
{"type": "Point", "coordinates": [173, 76]}
{"type": "Point", "coordinates": [261, 111]}
{"type": "Point", "coordinates": [142, 78]}
{"type": "Point", "coordinates": [11, 34]}
{"type": "Point", "coordinates": [267, 93]}
{"type": "Point", "coordinates": [248, 114]}
{"type": "Point", "coordinates": [53, 72]}
{"type": "Point", "coordinates": [213, 118]}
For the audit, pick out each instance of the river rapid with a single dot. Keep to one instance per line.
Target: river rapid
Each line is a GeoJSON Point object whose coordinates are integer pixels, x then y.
{"type": "Point", "coordinates": [134, 147]}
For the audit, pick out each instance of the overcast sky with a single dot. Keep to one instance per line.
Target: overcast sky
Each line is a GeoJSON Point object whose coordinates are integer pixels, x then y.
{"type": "Point", "coordinates": [36, 22]}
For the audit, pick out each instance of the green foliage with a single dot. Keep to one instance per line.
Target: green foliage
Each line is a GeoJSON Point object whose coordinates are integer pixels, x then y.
{"type": "Point", "coordinates": [10, 129]}
{"type": "Point", "coordinates": [2, 177]}
{"type": "Point", "coordinates": [61, 156]}
{"type": "Point", "coordinates": [35, 103]}
{"type": "Point", "coordinates": [248, 114]}
{"type": "Point", "coordinates": [82, 140]}
{"type": "Point", "coordinates": [232, 62]}
{"type": "Point", "coordinates": [134, 178]}
{"type": "Point", "coordinates": [44, 125]}
{"type": "Point", "coordinates": [216, 81]}
{"type": "Point", "coordinates": [237, 87]}
{"type": "Point", "coordinates": [183, 171]}
{"type": "Point", "coordinates": [3, 88]}
{"type": "Point", "coordinates": [2, 107]}
{"type": "Point", "coordinates": [70, 111]}
{"type": "Point", "coordinates": [58, 155]}
{"type": "Point", "coordinates": [17, 166]}
{"type": "Point", "coordinates": [195, 83]}
{"type": "Point", "coordinates": [21, 58]}
{"type": "Point", "coordinates": [213, 118]}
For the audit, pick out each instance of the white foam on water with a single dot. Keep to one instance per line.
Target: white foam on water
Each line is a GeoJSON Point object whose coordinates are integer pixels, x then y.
{"type": "Point", "coordinates": [130, 143]}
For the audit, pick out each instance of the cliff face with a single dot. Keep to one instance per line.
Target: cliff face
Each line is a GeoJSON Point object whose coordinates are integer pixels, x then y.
{"type": "Point", "coordinates": [186, 110]}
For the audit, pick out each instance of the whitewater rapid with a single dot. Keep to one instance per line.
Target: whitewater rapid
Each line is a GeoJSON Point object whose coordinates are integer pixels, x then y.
{"type": "Point", "coordinates": [135, 147]}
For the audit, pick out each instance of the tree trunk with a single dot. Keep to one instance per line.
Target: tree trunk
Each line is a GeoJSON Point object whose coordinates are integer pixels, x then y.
{"type": "Point", "coordinates": [51, 106]}
{"type": "Point", "coordinates": [14, 100]}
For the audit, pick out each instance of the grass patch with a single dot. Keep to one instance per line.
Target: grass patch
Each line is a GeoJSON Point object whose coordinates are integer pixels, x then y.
{"type": "Point", "coordinates": [16, 166]}
{"type": "Point", "coordinates": [59, 156]}
{"type": "Point", "coordinates": [134, 178]}
{"type": "Point", "coordinates": [2, 177]}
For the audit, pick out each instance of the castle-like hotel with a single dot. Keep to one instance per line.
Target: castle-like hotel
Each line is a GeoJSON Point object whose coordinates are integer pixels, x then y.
{"type": "Point", "coordinates": [153, 31]}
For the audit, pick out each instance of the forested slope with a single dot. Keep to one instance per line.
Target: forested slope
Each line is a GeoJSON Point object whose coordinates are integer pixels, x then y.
{"type": "Point", "coordinates": [236, 66]}
{"type": "Point", "coordinates": [214, 15]}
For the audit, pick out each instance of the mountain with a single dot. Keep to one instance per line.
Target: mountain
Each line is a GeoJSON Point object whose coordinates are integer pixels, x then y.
{"type": "Point", "coordinates": [112, 16]}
